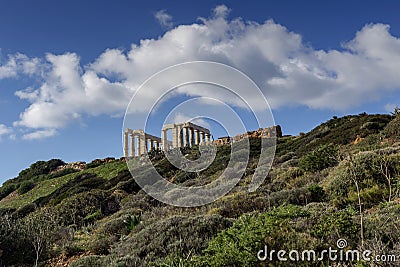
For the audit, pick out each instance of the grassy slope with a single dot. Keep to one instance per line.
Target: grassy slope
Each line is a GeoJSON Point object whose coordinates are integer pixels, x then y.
{"type": "Point", "coordinates": [46, 187]}
{"type": "Point", "coordinates": [285, 184]}
{"type": "Point", "coordinates": [339, 131]}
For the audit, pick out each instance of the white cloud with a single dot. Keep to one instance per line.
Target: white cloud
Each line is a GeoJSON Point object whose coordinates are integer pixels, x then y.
{"type": "Point", "coordinates": [4, 130]}
{"type": "Point", "coordinates": [40, 134]}
{"type": "Point", "coordinates": [164, 19]}
{"type": "Point", "coordinates": [68, 92]}
{"type": "Point", "coordinates": [221, 11]}
{"type": "Point", "coordinates": [19, 63]}
{"type": "Point", "coordinates": [181, 117]}
{"type": "Point", "coordinates": [9, 69]}
{"type": "Point", "coordinates": [390, 107]}
{"type": "Point", "coordinates": [288, 71]}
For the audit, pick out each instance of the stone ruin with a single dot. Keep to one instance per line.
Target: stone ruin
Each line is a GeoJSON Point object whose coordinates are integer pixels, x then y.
{"type": "Point", "coordinates": [137, 142]}
{"type": "Point", "coordinates": [260, 133]}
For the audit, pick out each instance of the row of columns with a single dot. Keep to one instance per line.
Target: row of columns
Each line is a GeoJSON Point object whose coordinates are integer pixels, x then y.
{"type": "Point", "coordinates": [185, 134]}
{"type": "Point", "coordinates": [137, 143]}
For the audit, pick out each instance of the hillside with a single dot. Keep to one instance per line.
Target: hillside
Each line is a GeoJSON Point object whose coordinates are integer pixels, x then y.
{"type": "Point", "coordinates": [339, 181]}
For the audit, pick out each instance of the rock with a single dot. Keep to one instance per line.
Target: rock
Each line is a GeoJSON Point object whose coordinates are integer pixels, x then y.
{"type": "Point", "coordinates": [261, 133]}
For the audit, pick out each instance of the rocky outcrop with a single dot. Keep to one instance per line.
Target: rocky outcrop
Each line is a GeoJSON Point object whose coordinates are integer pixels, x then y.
{"type": "Point", "coordinates": [105, 160]}
{"type": "Point", "coordinates": [79, 165]}
{"type": "Point", "coordinates": [261, 133]}
{"type": "Point", "coordinates": [223, 141]}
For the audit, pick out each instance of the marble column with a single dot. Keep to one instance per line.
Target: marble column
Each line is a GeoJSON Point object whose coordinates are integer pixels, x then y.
{"type": "Point", "coordinates": [126, 145]}
{"type": "Point", "coordinates": [133, 145]}
{"type": "Point", "coordinates": [197, 137]}
{"type": "Point", "coordinates": [174, 137]}
{"type": "Point", "coordinates": [142, 145]}
{"type": "Point", "coordinates": [181, 139]}
{"type": "Point", "coordinates": [191, 137]}
{"type": "Point", "coordinates": [203, 136]}
{"type": "Point", "coordinates": [164, 141]}
{"type": "Point", "coordinates": [179, 136]}
{"type": "Point", "coordinates": [207, 137]}
{"type": "Point", "coordinates": [186, 136]}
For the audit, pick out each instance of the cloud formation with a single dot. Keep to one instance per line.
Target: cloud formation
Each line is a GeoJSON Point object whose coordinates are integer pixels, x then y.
{"type": "Point", "coordinates": [4, 130]}
{"type": "Point", "coordinates": [288, 71]}
{"type": "Point", "coordinates": [164, 19]}
{"type": "Point", "coordinates": [19, 63]}
{"type": "Point", "coordinates": [39, 134]}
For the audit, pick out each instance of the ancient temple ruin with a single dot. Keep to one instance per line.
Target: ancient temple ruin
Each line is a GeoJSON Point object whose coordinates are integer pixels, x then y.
{"type": "Point", "coordinates": [137, 142]}
{"type": "Point", "coordinates": [184, 134]}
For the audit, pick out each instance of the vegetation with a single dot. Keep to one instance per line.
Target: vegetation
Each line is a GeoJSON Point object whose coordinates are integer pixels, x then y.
{"type": "Point", "coordinates": [339, 181]}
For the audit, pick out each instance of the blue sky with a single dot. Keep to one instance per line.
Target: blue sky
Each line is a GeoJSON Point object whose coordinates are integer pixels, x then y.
{"type": "Point", "coordinates": [69, 68]}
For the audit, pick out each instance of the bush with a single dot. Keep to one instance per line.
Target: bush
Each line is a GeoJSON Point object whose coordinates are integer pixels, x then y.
{"type": "Point", "coordinates": [92, 261]}
{"type": "Point", "coordinates": [319, 159]}
{"type": "Point", "coordinates": [75, 209]}
{"type": "Point", "coordinates": [39, 168]}
{"type": "Point", "coordinates": [317, 193]}
{"type": "Point", "coordinates": [25, 210]}
{"type": "Point", "coordinates": [101, 244]}
{"type": "Point", "coordinates": [175, 235]}
{"type": "Point", "coordinates": [81, 183]}
{"type": "Point", "coordinates": [296, 196]}
{"type": "Point", "coordinates": [93, 164]}
{"type": "Point", "coordinates": [334, 225]}
{"type": "Point", "coordinates": [392, 130]}
{"type": "Point", "coordinates": [61, 173]}
{"type": "Point", "coordinates": [235, 205]}
{"type": "Point", "coordinates": [115, 227]}
{"type": "Point", "coordinates": [239, 244]}
{"type": "Point", "coordinates": [25, 186]}
{"type": "Point", "coordinates": [5, 190]}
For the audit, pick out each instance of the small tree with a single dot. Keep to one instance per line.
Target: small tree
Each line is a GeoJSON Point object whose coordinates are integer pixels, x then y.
{"type": "Point", "coordinates": [396, 111]}
{"type": "Point", "coordinates": [40, 229]}
{"type": "Point", "coordinates": [354, 174]}
{"type": "Point", "coordinates": [388, 167]}
{"type": "Point", "coordinates": [392, 130]}
{"type": "Point", "coordinates": [6, 226]}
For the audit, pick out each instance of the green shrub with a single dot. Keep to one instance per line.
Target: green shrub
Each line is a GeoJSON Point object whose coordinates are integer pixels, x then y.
{"type": "Point", "coordinates": [319, 159]}
{"type": "Point", "coordinates": [92, 261]}
{"type": "Point", "coordinates": [317, 193]}
{"type": "Point", "coordinates": [25, 210]}
{"type": "Point", "coordinates": [75, 209]}
{"type": "Point", "coordinates": [93, 216]}
{"type": "Point", "coordinates": [25, 186]}
{"type": "Point", "coordinates": [376, 172]}
{"type": "Point", "coordinates": [93, 164]}
{"type": "Point", "coordinates": [177, 235]}
{"type": "Point", "coordinates": [296, 196]}
{"type": "Point", "coordinates": [81, 183]}
{"type": "Point", "coordinates": [132, 221]}
{"type": "Point", "coordinates": [61, 173]}
{"type": "Point", "coordinates": [239, 244]}
{"type": "Point", "coordinates": [115, 227]}
{"type": "Point", "coordinates": [101, 244]}
{"type": "Point", "coordinates": [39, 168]}
{"type": "Point", "coordinates": [233, 206]}
{"type": "Point", "coordinates": [5, 190]}
{"type": "Point", "coordinates": [334, 225]}
{"type": "Point", "coordinates": [392, 130]}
